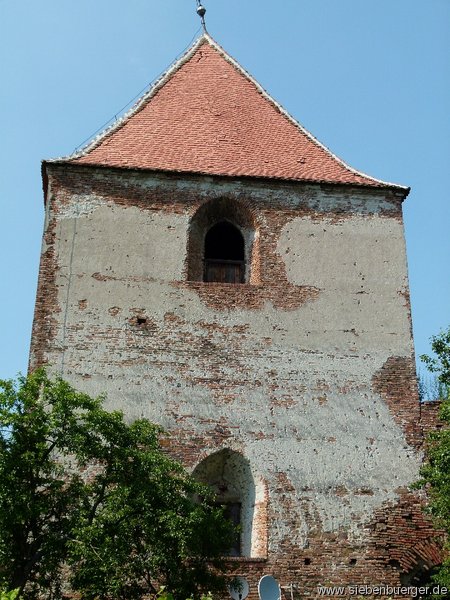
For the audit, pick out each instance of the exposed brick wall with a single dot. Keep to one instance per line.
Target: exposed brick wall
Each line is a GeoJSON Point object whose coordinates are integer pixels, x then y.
{"type": "Point", "coordinates": [46, 308]}
{"type": "Point", "coordinates": [396, 382]}
{"type": "Point", "coordinates": [398, 539]}
{"type": "Point", "coordinates": [429, 417]}
{"type": "Point", "coordinates": [406, 537]}
{"type": "Point", "coordinates": [251, 297]}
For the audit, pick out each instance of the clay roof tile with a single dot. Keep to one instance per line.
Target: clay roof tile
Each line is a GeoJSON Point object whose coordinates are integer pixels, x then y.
{"type": "Point", "coordinates": [208, 115]}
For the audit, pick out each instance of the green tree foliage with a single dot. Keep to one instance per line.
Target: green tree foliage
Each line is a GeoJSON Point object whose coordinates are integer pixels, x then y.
{"type": "Point", "coordinates": [440, 364]}
{"type": "Point", "coordinates": [436, 472]}
{"type": "Point", "coordinates": [9, 595]}
{"type": "Point", "coordinates": [87, 497]}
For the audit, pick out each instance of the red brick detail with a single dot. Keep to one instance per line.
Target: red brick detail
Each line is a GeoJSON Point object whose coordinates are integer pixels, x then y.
{"type": "Point", "coordinates": [228, 296]}
{"type": "Point", "coordinates": [46, 307]}
{"type": "Point", "coordinates": [398, 544]}
{"type": "Point", "coordinates": [209, 117]}
{"type": "Point", "coordinates": [396, 382]}
{"type": "Point", "coordinates": [429, 417]}
{"type": "Point", "coordinates": [405, 537]}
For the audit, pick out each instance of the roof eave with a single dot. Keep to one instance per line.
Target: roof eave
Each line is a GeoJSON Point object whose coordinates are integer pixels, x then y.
{"type": "Point", "coordinates": [404, 190]}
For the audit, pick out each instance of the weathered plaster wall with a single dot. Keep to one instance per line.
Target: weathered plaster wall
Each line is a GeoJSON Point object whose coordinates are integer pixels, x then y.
{"type": "Point", "coordinates": [307, 371]}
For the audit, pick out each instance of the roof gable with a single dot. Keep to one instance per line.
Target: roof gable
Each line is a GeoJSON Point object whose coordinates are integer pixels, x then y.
{"type": "Point", "coordinates": [207, 115]}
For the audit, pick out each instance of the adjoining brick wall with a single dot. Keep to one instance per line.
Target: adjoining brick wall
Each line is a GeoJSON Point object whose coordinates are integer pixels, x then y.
{"type": "Point", "coordinates": [306, 371]}
{"type": "Point", "coordinates": [429, 417]}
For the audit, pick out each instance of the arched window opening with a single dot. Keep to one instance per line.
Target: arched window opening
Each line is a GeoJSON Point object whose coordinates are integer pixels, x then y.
{"type": "Point", "coordinates": [224, 254]}
{"type": "Point", "coordinates": [229, 475]}
{"type": "Point", "coordinates": [221, 231]}
{"type": "Point", "coordinates": [420, 574]}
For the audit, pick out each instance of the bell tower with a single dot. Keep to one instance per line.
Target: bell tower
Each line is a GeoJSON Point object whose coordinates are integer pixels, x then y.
{"type": "Point", "coordinates": [209, 265]}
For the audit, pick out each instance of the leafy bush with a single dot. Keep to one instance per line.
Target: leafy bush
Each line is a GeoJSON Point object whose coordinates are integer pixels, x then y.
{"type": "Point", "coordinates": [435, 474]}
{"type": "Point", "coordinates": [11, 595]}
{"type": "Point", "coordinates": [85, 493]}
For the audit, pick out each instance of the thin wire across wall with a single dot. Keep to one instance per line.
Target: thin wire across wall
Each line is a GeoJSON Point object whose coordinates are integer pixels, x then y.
{"type": "Point", "coordinates": [118, 113]}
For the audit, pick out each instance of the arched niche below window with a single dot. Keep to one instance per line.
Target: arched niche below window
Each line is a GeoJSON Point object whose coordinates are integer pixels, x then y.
{"type": "Point", "coordinates": [229, 475]}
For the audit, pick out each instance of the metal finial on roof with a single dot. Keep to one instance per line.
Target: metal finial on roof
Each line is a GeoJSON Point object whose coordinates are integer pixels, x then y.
{"type": "Point", "coordinates": [201, 11]}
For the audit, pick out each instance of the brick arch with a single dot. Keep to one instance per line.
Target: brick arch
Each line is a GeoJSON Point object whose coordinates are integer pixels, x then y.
{"type": "Point", "coordinates": [230, 476]}
{"type": "Point", "coordinates": [211, 213]}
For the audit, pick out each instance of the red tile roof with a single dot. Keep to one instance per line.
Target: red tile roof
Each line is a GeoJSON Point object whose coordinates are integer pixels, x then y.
{"type": "Point", "coordinates": [207, 115]}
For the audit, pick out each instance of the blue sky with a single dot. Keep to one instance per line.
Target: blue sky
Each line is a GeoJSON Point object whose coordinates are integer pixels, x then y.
{"type": "Point", "coordinates": [369, 78]}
